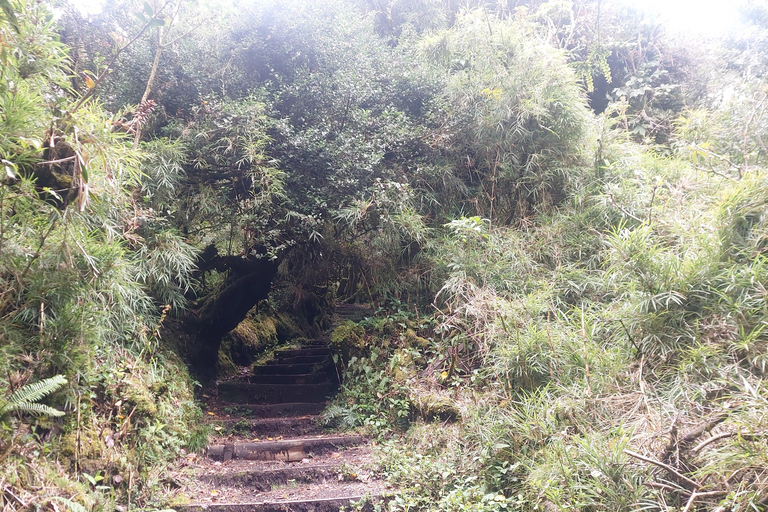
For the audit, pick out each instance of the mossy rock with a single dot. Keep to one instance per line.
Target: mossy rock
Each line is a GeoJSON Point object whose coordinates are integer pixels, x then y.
{"type": "Point", "coordinates": [348, 334]}
{"type": "Point", "coordinates": [258, 331]}
{"type": "Point", "coordinates": [139, 396]}
{"type": "Point", "coordinates": [159, 388]}
{"type": "Point", "coordinates": [287, 329]}
{"type": "Point", "coordinates": [179, 500]}
{"type": "Point", "coordinates": [226, 366]}
{"type": "Point", "coordinates": [434, 407]}
{"type": "Point", "coordinates": [91, 446]}
{"type": "Point", "coordinates": [402, 365]}
{"type": "Point", "coordinates": [348, 339]}
{"type": "Point", "coordinates": [250, 338]}
{"type": "Point", "coordinates": [412, 339]}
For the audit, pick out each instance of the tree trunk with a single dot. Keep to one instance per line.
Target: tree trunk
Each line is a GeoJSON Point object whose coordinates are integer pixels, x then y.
{"type": "Point", "coordinates": [223, 311]}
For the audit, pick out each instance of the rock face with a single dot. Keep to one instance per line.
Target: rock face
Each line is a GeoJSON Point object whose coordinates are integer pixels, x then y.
{"type": "Point", "coordinates": [269, 452]}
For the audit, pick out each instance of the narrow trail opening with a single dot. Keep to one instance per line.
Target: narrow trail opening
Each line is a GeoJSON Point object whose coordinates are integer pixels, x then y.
{"type": "Point", "coordinates": [270, 452]}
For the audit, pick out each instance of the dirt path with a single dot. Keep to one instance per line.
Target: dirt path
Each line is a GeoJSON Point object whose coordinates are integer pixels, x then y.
{"type": "Point", "coordinates": [270, 453]}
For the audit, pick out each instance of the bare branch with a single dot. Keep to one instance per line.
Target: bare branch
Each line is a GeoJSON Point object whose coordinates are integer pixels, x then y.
{"type": "Point", "coordinates": [667, 467]}
{"type": "Point", "coordinates": [712, 439]}
{"type": "Point", "coordinates": [624, 211]}
{"type": "Point", "coordinates": [695, 495]}
{"type": "Point", "coordinates": [59, 161]}
{"type": "Point", "coordinates": [704, 427]}
{"type": "Point", "coordinates": [120, 50]}
{"type": "Point", "coordinates": [725, 435]}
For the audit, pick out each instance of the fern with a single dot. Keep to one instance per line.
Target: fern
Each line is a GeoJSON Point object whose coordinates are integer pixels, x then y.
{"type": "Point", "coordinates": [71, 505]}
{"type": "Point", "coordinates": [24, 399]}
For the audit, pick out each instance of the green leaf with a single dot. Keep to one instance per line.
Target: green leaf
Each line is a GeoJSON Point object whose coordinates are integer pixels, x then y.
{"type": "Point", "coordinates": [37, 409]}
{"type": "Point", "coordinates": [26, 142]}
{"type": "Point", "coordinates": [156, 22]}
{"type": "Point", "coordinates": [5, 5]}
{"type": "Point", "coordinates": [49, 190]}
{"type": "Point", "coordinates": [37, 390]}
{"type": "Point", "coordinates": [141, 17]}
{"type": "Point", "coordinates": [148, 9]}
{"type": "Point", "coordinates": [24, 398]}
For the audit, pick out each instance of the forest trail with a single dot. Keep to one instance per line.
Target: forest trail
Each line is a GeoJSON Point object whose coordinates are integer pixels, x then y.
{"type": "Point", "coordinates": [269, 452]}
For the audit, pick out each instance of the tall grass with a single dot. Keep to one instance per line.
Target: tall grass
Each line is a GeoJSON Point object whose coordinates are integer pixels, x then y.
{"type": "Point", "coordinates": [609, 356]}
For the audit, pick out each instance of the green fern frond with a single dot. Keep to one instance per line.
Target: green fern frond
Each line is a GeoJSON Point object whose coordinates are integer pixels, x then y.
{"type": "Point", "coordinates": [71, 505]}
{"type": "Point", "coordinates": [35, 409]}
{"type": "Point", "coordinates": [24, 398]}
{"type": "Point", "coordinates": [37, 390]}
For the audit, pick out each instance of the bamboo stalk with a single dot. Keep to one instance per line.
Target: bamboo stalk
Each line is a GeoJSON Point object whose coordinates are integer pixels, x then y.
{"type": "Point", "coordinates": [584, 339]}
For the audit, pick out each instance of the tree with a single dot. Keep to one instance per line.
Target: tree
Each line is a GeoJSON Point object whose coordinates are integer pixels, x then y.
{"type": "Point", "coordinates": [515, 116]}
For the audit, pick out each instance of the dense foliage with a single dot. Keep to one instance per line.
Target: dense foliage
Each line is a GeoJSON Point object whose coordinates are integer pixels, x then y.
{"type": "Point", "coordinates": [557, 210]}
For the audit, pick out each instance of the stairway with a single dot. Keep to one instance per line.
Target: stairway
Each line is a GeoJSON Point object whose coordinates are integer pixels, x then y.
{"type": "Point", "coordinates": [269, 453]}
{"type": "Point", "coordinates": [353, 312]}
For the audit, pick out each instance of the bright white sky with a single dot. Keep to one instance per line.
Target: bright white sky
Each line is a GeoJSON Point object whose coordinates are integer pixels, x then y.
{"type": "Point", "coordinates": [713, 17]}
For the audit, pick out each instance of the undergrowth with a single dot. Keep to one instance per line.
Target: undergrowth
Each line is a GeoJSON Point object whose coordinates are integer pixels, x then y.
{"type": "Point", "coordinates": [87, 280]}
{"type": "Point", "coordinates": [611, 359]}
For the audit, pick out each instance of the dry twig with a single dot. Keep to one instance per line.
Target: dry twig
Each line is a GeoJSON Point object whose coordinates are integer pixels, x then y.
{"type": "Point", "coordinates": [695, 495]}
{"type": "Point", "coordinates": [667, 467]}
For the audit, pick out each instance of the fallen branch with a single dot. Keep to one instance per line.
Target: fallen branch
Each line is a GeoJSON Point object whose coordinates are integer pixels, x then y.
{"type": "Point", "coordinates": [59, 161]}
{"type": "Point", "coordinates": [695, 495]}
{"type": "Point", "coordinates": [713, 171]}
{"type": "Point", "coordinates": [746, 437]}
{"type": "Point", "coordinates": [667, 467]}
{"type": "Point", "coordinates": [7, 491]}
{"type": "Point", "coordinates": [624, 211]}
{"type": "Point", "coordinates": [712, 440]}
{"type": "Point", "coordinates": [704, 427]}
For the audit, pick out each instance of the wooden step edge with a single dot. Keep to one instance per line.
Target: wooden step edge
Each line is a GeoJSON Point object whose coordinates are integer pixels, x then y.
{"type": "Point", "coordinates": [306, 419]}
{"type": "Point", "coordinates": [248, 393]}
{"type": "Point", "coordinates": [311, 505]}
{"type": "Point", "coordinates": [298, 358]}
{"type": "Point", "coordinates": [287, 427]}
{"type": "Point", "coordinates": [294, 368]}
{"type": "Point", "coordinates": [268, 479]}
{"type": "Point", "coordinates": [286, 450]}
{"type": "Point", "coordinates": [241, 384]}
{"type": "Point", "coordinates": [303, 351]}
{"type": "Point", "coordinates": [279, 410]}
{"type": "Point", "coordinates": [304, 379]}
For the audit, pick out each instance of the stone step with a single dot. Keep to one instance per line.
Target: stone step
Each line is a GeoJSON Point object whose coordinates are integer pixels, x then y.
{"type": "Point", "coordinates": [239, 392]}
{"type": "Point", "coordinates": [353, 312]}
{"type": "Point", "coordinates": [263, 427]}
{"type": "Point", "coordinates": [310, 359]}
{"type": "Point", "coordinates": [293, 369]}
{"type": "Point", "coordinates": [289, 450]}
{"type": "Point", "coordinates": [301, 379]}
{"type": "Point", "coordinates": [314, 343]}
{"type": "Point", "coordinates": [304, 505]}
{"type": "Point", "coordinates": [267, 479]}
{"type": "Point", "coordinates": [283, 410]}
{"type": "Point", "coordinates": [308, 351]}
